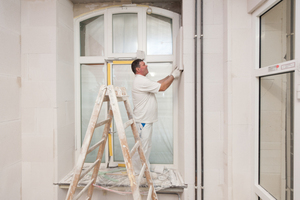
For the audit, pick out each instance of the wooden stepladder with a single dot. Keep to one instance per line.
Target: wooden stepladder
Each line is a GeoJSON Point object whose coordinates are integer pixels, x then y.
{"type": "Point", "coordinates": [112, 95]}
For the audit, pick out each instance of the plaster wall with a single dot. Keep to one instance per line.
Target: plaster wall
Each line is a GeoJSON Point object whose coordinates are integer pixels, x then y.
{"type": "Point", "coordinates": [228, 139]}
{"type": "Point", "coordinates": [10, 89]}
{"type": "Point", "coordinates": [47, 96]}
{"type": "Point", "coordinates": [186, 136]}
{"type": "Point", "coordinates": [238, 132]}
{"type": "Point", "coordinates": [213, 96]}
{"type": "Point", "coordinates": [252, 5]}
{"type": "Point", "coordinates": [65, 118]}
{"type": "Point", "coordinates": [38, 55]}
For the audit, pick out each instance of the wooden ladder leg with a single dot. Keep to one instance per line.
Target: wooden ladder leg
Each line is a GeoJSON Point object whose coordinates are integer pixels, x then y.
{"type": "Point", "coordinates": [100, 153]}
{"type": "Point", "coordinates": [140, 149]}
{"type": "Point", "coordinates": [123, 142]}
{"type": "Point", "coordinates": [86, 143]}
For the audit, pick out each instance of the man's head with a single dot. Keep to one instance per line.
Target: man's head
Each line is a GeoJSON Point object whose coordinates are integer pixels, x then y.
{"type": "Point", "coordinates": [138, 66]}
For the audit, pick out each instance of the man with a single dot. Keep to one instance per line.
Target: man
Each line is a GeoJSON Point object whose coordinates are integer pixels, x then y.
{"type": "Point", "coordinates": [145, 105]}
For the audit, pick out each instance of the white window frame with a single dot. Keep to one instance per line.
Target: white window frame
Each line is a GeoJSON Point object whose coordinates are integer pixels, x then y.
{"type": "Point", "coordinates": [108, 55]}
{"type": "Point", "coordinates": [258, 72]}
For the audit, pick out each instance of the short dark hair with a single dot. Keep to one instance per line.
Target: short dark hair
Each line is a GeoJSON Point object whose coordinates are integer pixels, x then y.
{"type": "Point", "coordinates": [135, 64]}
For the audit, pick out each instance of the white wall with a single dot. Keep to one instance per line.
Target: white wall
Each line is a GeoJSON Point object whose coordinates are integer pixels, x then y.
{"type": "Point", "coordinates": [228, 157]}
{"type": "Point", "coordinates": [213, 94]}
{"type": "Point", "coordinates": [238, 145]}
{"type": "Point", "coordinates": [65, 121]}
{"type": "Point", "coordinates": [186, 136]}
{"type": "Point", "coordinates": [47, 96]}
{"type": "Point", "coordinates": [10, 90]}
{"type": "Point", "coordinates": [38, 98]}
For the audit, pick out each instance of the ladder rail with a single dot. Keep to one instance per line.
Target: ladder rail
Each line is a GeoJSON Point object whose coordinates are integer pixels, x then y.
{"type": "Point", "coordinates": [86, 143]}
{"type": "Point", "coordinates": [140, 150]}
{"type": "Point", "coordinates": [141, 174]}
{"type": "Point", "coordinates": [150, 192]}
{"type": "Point", "coordinates": [100, 152]}
{"type": "Point", "coordinates": [123, 142]}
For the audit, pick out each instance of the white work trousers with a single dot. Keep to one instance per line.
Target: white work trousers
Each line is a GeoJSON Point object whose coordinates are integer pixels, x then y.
{"type": "Point", "coordinates": [145, 133]}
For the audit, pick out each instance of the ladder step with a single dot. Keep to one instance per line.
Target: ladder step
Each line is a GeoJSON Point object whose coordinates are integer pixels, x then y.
{"type": "Point", "coordinates": [150, 193]}
{"type": "Point", "coordinates": [95, 146]}
{"type": "Point", "coordinates": [119, 98]}
{"type": "Point", "coordinates": [128, 123]}
{"type": "Point", "coordinates": [102, 123]}
{"type": "Point", "coordinates": [84, 189]}
{"type": "Point", "coordinates": [88, 169]}
{"type": "Point", "coordinates": [133, 150]}
{"type": "Point", "coordinates": [141, 173]}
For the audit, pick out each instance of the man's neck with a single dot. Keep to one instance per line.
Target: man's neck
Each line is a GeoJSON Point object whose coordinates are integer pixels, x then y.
{"type": "Point", "coordinates": [140, 74]}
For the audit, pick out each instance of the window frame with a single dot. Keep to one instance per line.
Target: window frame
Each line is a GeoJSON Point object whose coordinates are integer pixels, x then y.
{"type": "Point", "coordinates": [258, 72]}
{"type": "Point", "coordinates": [109, 57]}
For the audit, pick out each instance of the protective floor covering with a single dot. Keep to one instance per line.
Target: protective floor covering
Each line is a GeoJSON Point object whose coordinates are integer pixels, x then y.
{"type": "Point", "coordinates": [116, 180]}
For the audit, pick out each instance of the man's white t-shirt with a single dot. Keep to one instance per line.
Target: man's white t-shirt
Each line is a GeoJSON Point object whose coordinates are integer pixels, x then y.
{"type": "Point", "coordinates": [144, 100]}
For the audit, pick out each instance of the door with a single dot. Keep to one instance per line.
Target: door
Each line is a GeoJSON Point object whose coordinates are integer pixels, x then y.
{"type": "Point", "coordinates": [276, 79]}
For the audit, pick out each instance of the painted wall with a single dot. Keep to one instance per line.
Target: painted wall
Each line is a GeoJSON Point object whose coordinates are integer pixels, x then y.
{"type": "Point", "coordinates": [65, 114]}
{"type": "Point", "coordinates": [228, 157]}
{"type": "Point", "coordinates": [213, 98]}
{"type": "Point", "coordinates": [47, 96]}
{"type": "Point", "coordinates": [238, 131]}
{"type": "Point", "coordinates": [10, 90]}
{"type": "Point", "coordinates": [252, 5]}
{"type": "Point", "coordinates": [186, 136]}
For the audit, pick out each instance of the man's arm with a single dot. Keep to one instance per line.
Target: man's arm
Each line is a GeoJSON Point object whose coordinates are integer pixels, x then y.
{"type": "Point", "coordinates": [166, 82]}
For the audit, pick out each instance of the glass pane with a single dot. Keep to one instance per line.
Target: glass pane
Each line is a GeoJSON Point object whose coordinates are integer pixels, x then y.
{"type": "Point", "coordinates": [159, 35]}
{"type": "Point", "coordinates": [277, 37]}
{"type": "Point", "coordinates": [122, 77]}
{"type": "Point", "coordinates": [162, 148]}
{"type": "Point", "coordinates": [92, 36]}
{"type": "Point", "coordinates": [276, 135]}
{"type": "Point", "coordinates": [125, 33]}
{"type": "Point", "coordinates": [92, 77]}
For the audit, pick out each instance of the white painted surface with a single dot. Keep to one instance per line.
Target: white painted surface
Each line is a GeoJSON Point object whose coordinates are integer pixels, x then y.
{"type": "Point", "coordinates": [47, 97]}
{"type": "Point", "coordinates": [186, 141]}
{"type": "Point", "coordinates": [237, 115]}
{"type": "Point", "coordinates": [38, 98]}
{"type": "Point", "coordinates": [254, 4]}
{"type": "Point", "coordinates": [213, 93]}
{"type": "Point", "coordinates": [10, 89]}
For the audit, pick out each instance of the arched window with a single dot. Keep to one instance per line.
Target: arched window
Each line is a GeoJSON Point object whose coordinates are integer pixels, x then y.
{"type": "Point", "coordinates": [106, 42]}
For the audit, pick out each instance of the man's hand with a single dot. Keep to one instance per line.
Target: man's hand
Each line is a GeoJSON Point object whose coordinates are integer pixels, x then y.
{"type": "Point", "coordinates": [176, 73]}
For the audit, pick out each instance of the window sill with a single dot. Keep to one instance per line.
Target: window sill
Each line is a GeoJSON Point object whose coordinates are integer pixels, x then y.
{"type": "Point", "coordinates": [116, 179]}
